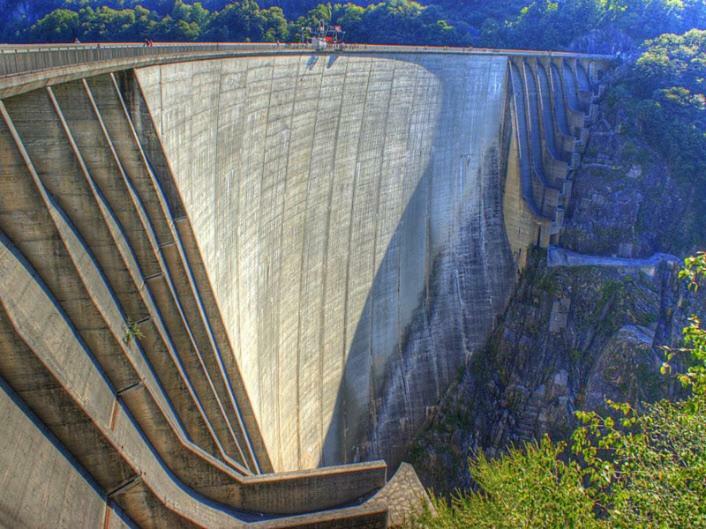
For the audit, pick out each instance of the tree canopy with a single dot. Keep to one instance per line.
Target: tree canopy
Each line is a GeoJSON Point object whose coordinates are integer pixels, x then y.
{"type": "Point", "coordinates": [663, 94]}
{"type": "Point", "coordinates": [539, 24]}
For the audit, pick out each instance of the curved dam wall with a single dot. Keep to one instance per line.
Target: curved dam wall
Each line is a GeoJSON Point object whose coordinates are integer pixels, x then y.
{"type": "Point", "coordinates": [349, 214]}
{"type": "Point", "coordinates": [219, 264]}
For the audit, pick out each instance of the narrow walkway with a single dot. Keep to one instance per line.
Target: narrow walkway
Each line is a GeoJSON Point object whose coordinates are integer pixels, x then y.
{"type": "Point", "coordinates": [560, 257]}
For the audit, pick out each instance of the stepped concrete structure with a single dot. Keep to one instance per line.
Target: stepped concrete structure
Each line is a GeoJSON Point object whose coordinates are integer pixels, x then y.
{"type": "Point", "coordinates": [234, 278]}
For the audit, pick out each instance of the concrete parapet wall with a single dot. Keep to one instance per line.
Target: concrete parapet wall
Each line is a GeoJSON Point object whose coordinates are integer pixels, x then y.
{"type": "Point", "coordinates": [17, 59]}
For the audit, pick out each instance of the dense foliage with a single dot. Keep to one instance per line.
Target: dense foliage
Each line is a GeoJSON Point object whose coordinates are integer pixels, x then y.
{"type": "Point", "coordinates": [529, 487]}
{"type": "Point", "coordinates": [626, 470]}
{"type": "Point", "coordinates": [539, 24]}
{"type": "Point", "coordinates": [662, 97]}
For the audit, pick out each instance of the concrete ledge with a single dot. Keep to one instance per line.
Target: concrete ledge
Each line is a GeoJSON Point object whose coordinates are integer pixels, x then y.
{"type": "Point", "coordinates": [560, 257]}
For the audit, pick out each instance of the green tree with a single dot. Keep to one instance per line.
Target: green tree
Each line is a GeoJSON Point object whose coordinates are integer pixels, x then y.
{"type": "Point", "coordinates": [531, 487]}
{"type": "Point", "coordinates": [275, 26]}
{"type": "Point", "coordinates": [60, 25]}
{"type": "Point", "coordinates": [106, 24]}
{"type": "Point", "coordinates": [663, 97]}
{"type": "Point", "coordinates": [185, 22]}
{"type": "Point", "coordinates": [549, 24]}
{"type": "Point", "coordinates": [241, 21]}
{"type": "Point", "coordinates": [350, 17]}
{"type": "Point", "coordinates": [694, 335]}
{"type": "Point", "coordinates": [305, 25]}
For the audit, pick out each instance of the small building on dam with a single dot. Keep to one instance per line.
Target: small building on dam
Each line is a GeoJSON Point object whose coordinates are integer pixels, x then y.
{"type": "Point", "coordinates": [235, 280]}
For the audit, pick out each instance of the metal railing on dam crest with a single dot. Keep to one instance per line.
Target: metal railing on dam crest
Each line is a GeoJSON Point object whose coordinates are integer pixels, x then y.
{"type": "Point", "coordinates": [54, 61]}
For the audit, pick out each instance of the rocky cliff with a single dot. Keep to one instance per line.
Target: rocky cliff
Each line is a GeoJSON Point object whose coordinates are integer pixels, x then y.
{"type": "Point", "coordinates": [583, 328]}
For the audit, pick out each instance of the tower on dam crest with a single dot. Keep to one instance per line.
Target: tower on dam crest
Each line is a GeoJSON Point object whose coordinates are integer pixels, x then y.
{"type": "Point", "coordinates": [220, 264]}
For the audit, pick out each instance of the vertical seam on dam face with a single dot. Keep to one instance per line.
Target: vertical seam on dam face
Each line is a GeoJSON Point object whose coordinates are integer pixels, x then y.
{"type": "Point", "coordinates": [378, 185]}
{"type": "Point", "coordinates": [304, 286]}
{"type": "Point", "coordinates": [324, 290]}
{"type": "Point", "coordinates": [346, 310]}
{"type": "Point", "coordinates": [262, 262]}
{"type": "Point", "coordinates": [281, 237]}
{"type": "Point", "coordinates": [277, 258]}
{"type": "Point", "coordinates": [404, 180]}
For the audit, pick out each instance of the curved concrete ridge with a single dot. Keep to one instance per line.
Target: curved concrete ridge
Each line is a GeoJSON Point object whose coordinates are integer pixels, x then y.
{"type": "Point", "coordinates": [172, 289]}
{"type": "Point", "coordinates": [571, 88]}
{"type": "Point", "coordinates": [50, 337]}
{"type": "Point", "coordinates": [574, 118]}
{"type": "Point", "coordinates": [201, 318]}
{"type": "Point", "coordinates": [525, 158]}
{"type": "Point", "coordinates": [546, 114]}
{"type": "Point", "coordinates": [545, 99]}
{"type": "Point", "coordinates": [119, 321]}
{"type": "Point", "coordinates": [96, 223]}
{"type": "Point", "coordinates": [537, 132]}
{"type": "Point", "coordinates": [42, 455]}
{"type": "Point", "coordinates": [555, 157]}
{"type": "Point", "coordinates": [583, 82]}
{"type": "Point", "coordinates": [552, 105]}
{"type": "Point", "coordinates": [560, 104]}
{"type": "Point", "coordinates": [131, 264]}
{"type": "Point", "coordinates": [117, 118]}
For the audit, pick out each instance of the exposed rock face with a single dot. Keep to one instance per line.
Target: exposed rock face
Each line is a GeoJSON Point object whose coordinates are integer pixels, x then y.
{"type": "Point", "coordinates": [574, 336]}
{"type": "Point", "coordinates": [625, 201]}
{"type": "Point", "coordinates": [625, 369]}
{"type": "Point", "coordinates": [539, 368]}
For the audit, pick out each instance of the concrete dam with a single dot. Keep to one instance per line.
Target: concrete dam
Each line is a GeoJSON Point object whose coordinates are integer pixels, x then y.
{"type": "Point", "coordinates": [235, 278]}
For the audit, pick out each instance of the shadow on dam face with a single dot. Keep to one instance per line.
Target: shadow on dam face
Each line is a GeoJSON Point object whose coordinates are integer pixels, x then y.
{"type": "Point", "coordinates": [350, 218]}
{"type": "Point", "coordinates": [466, 285]}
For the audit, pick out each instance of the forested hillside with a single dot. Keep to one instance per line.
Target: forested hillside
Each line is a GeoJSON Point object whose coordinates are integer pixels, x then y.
{"type": "Point", "coordinates": [602, 25]}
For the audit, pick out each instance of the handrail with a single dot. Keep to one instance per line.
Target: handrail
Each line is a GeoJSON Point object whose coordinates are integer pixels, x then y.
{"type": "Point", "coordinates": [26, 58]}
